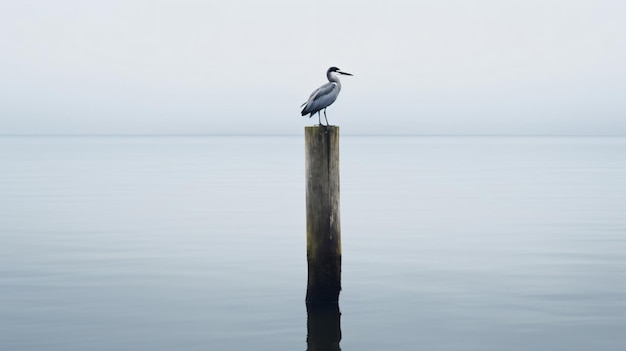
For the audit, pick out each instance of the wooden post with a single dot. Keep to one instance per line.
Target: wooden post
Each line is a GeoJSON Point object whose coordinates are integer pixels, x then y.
{"type": "Point", "coordinates": [323, 233]}
{"type": "Point", "coordinates": [323, 326]}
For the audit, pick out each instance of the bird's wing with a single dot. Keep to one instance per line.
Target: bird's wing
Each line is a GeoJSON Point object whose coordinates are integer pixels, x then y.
{"type": "Point", "coordinates": [323, 90]}
{"type": "Point", "coordinates": [322, 97]}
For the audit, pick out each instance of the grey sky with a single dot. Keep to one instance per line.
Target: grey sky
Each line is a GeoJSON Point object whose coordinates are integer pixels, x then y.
{"type": "Point", "coordinates": [208, 67]}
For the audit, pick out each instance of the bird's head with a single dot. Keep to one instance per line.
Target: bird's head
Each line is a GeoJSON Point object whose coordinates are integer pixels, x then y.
{"type": "Point", "coordinates": [337, 70]}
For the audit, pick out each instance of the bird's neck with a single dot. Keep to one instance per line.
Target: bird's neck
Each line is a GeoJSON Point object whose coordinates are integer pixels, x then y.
{"type": "Point", "coordinates": [333, 77]}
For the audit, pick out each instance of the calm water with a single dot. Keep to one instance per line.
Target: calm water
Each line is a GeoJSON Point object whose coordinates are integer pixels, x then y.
{"type": "Point", "coordinates": [197, 243]}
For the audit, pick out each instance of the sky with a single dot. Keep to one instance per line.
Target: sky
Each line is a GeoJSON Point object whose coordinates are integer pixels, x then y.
{"type": "Point", "coordinates": [431, 67]}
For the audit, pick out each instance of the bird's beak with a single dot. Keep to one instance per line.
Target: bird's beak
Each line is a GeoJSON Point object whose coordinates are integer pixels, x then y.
{"type": "Point", "coordinates": [344, 73]}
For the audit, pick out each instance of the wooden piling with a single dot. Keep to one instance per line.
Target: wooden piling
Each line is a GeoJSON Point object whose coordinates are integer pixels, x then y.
{"type": "Point", "coordinates": [323, 326]}
{"type": "Point", "coordinates": [323, 232]}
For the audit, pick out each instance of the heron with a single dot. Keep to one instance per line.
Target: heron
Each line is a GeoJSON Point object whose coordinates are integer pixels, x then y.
{"type": "Point", "coordinates": [324, 96]}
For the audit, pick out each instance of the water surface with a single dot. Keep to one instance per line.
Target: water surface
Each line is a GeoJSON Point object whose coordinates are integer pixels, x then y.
{"type": "Point", "coordinates": [197, 243]}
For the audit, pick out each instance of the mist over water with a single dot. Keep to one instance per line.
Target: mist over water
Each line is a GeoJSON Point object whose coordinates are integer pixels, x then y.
{"type": "Point", "coordinates": [196, 243]}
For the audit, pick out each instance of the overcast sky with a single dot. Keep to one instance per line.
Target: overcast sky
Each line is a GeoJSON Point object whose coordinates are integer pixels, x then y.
{"type": "Point", "coordinates": [230, 67]}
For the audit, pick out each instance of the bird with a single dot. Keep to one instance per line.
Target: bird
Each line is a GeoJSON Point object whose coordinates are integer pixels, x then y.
{"type": "Point", "coordinates": [324, 96]}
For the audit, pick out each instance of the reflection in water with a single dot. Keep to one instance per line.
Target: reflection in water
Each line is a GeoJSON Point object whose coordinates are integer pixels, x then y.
{"type": "Point", "coordinates": [323, 327]}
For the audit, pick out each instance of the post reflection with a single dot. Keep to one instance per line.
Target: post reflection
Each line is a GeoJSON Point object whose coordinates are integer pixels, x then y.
{"type": "Point", "coordinates": [323, 327]}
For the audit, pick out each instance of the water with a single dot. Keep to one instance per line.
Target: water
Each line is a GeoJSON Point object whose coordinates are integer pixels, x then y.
{"type": "Point", "coordinates": [197, 243]}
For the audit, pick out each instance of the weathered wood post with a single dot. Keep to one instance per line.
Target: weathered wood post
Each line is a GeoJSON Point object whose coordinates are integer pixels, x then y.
{"type": "Point", "coordinates": [323, 326]}
{"type": "Point", "coordinates": [323, 233]}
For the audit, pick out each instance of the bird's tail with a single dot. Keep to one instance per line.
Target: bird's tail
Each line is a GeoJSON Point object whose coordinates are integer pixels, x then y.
{"type": "Point", "coordinates": [304, 110]}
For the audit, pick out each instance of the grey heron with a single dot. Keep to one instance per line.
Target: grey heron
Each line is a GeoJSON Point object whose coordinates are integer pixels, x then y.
{"type": "Point", "coordinates": [324, 96]}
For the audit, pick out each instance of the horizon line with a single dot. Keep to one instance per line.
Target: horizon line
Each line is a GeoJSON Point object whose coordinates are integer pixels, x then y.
{"type": "Point", "coordinates": [17, 135]}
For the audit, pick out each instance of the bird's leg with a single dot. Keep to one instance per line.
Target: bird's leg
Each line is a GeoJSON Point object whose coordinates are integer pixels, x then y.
{"type": "Point", "coordinates": [326, 126]}
{"type": "Point", "coordinates": [319, 118]}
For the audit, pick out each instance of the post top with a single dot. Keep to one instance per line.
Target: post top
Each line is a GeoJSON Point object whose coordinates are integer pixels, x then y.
{"type": "Point", "coordinates": [323, 128]}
